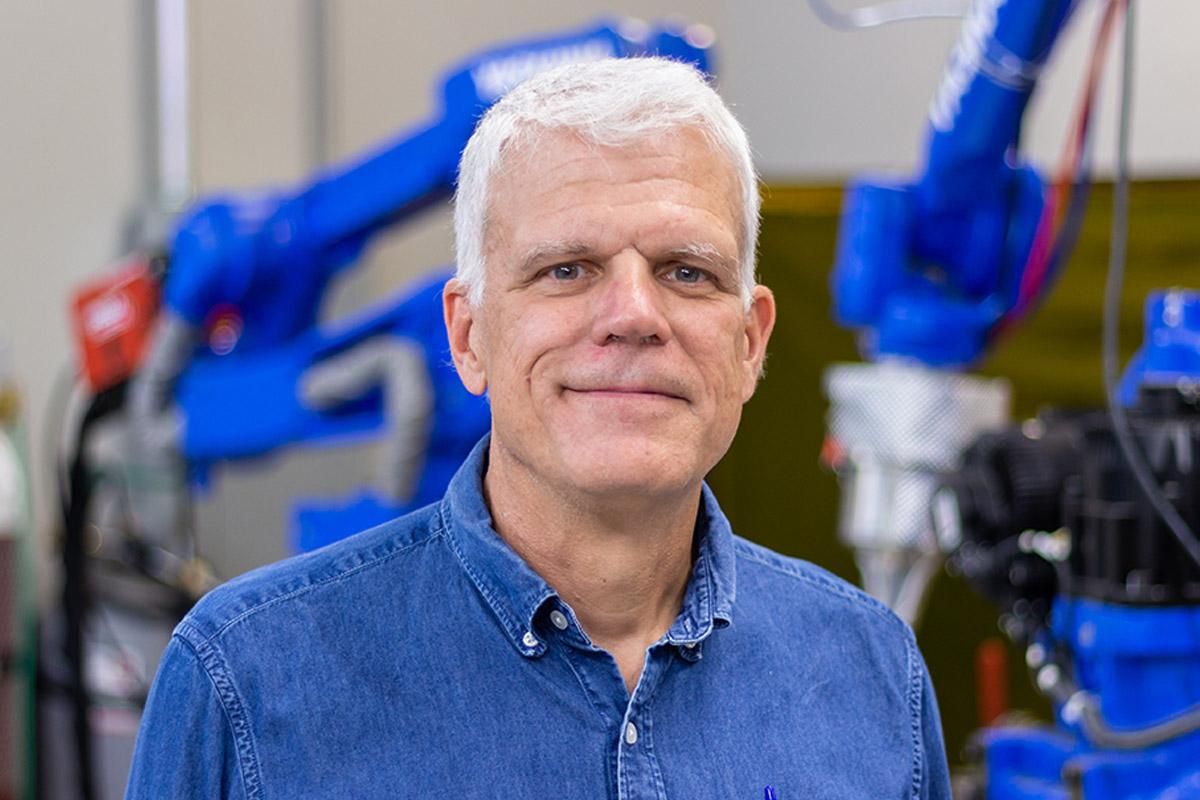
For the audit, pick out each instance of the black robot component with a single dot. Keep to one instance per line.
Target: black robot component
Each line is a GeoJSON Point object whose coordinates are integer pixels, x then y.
{"type": "Point", "coordinates": [1051, 508]}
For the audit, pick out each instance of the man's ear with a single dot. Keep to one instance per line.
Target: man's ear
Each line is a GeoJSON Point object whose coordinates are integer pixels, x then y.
{"type": "Point", "coordinates": [760, 321]}
{"type": "Point", "coordinates": [461, 330]}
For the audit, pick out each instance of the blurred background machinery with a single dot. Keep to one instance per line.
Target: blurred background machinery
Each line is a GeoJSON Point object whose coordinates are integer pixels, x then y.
{"type": "Point", "coordinates": [931, 272]}
{"type": "Point", "coordinates": [1059, 531]}
{"type": "Point", "coordinates": [17, 601]}
{"type": "Point", "coordinates": [1079, 526]}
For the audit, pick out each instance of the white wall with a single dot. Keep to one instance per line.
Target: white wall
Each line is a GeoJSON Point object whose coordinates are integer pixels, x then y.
{"type": "Point", "coordinates": [68, 174]}
{"type": "Point", "coordinates": [819, 105]}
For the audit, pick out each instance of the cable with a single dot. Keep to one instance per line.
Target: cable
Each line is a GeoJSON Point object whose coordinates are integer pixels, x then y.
{"type": "Point", "coordinates": [75, 594]}
{"type": "Point", "coordinates": [1099, 732]}
{"type": "Point", "coordinates": [1078, 157]}
{"type": "Point", "coordinates": [1064, 244]}
{"type": "Point", "coordinates": [1051, 248]}
{"type": "Point", "coordinates": [1058, 251]}
{"type": "Point", "coordinates": [1054, 680]}
{"type": "Point", "coordinates": [886, 13]}
{"type": "Point", "coordinates": [61, 440]}
{"type": "Point", "coordinates": [1112, 309]}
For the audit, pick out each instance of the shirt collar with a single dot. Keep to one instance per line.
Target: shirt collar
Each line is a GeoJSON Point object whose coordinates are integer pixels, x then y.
{"type": "Point", "coordinates": [516, 593]}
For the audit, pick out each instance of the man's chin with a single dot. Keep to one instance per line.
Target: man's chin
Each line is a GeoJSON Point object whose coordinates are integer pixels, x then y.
{"type": "Point", "coordinates": [635, 468]}
{"type": "Point", "coordinates": [614, 493]}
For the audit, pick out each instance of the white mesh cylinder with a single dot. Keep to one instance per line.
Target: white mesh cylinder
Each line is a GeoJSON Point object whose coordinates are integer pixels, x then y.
{"type": "Point", "coordinates": [900, 428]}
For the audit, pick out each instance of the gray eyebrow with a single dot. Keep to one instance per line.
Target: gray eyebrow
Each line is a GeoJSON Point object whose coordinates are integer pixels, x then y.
{"type": "Point", "coordinates": [707, 253]}
{"type": "Point", "coordinates": [573, 248]}
{"type": "Point", "coordinates": [545, 250]}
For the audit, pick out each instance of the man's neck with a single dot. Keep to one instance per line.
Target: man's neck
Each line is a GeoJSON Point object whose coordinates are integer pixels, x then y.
{"type": "Point", "coordinates": [622, 564]}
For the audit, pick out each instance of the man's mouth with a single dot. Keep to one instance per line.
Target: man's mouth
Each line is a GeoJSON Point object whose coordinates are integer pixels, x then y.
{"type": "Point", "coordinates": [623, 391]}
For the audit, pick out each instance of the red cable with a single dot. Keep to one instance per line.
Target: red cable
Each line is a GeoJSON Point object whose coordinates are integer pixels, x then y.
{"type": "Point", "coordinates": [1034, 274]}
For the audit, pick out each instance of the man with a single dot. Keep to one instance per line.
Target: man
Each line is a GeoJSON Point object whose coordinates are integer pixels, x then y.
{"type": "Point", "coordinates": [576, 618]}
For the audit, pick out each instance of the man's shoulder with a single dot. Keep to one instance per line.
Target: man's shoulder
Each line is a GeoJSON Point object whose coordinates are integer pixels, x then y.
{"type": "Point", "coordinates": [845, 650]}
{"type": "Point", "coordinates": [350, 567]}
{"type": "Point", "coordinates": [768, 577]}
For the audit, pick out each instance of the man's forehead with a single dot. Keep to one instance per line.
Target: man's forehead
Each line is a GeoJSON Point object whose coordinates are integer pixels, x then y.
{"type": "Point", "coordinates": [558, 171]}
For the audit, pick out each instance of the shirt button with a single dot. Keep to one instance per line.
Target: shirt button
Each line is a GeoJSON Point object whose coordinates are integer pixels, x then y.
{"type": "Point", "coordinates": [630, 734]}
{"type": "Point", "coordinates": [558, 619]}
{"type": "Point", "coordinates": [690, 645]}
{"type": "Point", "coordinates": [529, 640]}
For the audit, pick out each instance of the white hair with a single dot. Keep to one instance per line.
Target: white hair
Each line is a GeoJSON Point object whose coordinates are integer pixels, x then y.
{"type": "Point", "coordinates": [611, 102]}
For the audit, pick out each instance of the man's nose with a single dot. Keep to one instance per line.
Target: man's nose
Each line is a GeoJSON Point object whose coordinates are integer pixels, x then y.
{"type": "Point", "coordinates": [630, 307]}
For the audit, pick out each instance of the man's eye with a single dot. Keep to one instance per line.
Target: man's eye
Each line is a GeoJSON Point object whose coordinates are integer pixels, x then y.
{"type": "Point", "coordinates": [684, 274]}
{"type": "Point", "coordinates": [565, 272]}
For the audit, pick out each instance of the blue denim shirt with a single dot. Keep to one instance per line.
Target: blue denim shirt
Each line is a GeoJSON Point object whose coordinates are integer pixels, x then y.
{"type": "Point", "coordinates": [425, 659]}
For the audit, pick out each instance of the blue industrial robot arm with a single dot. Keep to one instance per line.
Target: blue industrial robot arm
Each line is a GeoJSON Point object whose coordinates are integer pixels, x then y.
{"type": "Point", "coordinates": [927, 268]}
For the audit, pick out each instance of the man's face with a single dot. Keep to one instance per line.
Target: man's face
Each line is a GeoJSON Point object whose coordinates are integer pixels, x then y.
{"type": "Point", "coordinates": [612, 336]}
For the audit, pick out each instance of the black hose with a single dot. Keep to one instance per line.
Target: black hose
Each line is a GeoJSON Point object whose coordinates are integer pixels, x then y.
{"type": "Point", "coordinates": [75, 595]}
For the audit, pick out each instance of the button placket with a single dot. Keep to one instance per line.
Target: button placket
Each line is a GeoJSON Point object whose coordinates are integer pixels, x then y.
{"type": "Point", "coordinates": [638, 774]}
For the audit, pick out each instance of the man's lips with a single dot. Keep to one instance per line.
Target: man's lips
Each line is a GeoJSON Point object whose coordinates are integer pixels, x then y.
{"type": "Point", "coordinates": [626, 392]}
